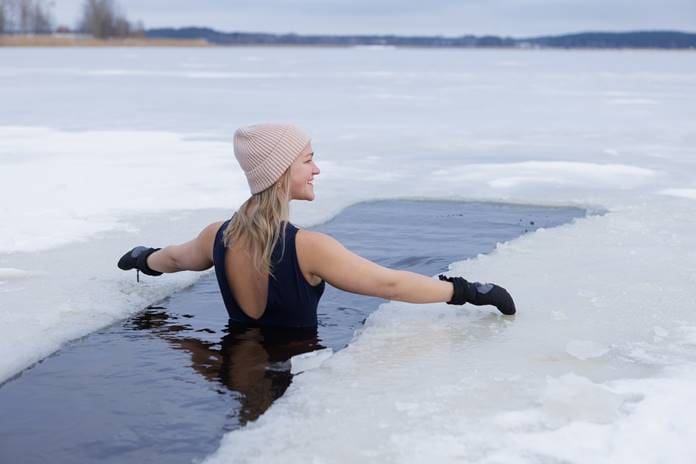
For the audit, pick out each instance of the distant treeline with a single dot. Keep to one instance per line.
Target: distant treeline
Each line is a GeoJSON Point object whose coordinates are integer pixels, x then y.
{"type": "Point", "coordinates": [25, 16]}
{"type": "Point", "coordinates": [99, 18]}
{"type": "Point", "coordinates": [644, 39]}
{"type": "Point", "coordinates": [640, 39]}
{"type": "Point", "coordinates": [105, 19]}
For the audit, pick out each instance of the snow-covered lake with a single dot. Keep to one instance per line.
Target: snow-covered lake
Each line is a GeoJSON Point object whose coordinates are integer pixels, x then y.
{"type": "Point", "coordinates": [102, 149]}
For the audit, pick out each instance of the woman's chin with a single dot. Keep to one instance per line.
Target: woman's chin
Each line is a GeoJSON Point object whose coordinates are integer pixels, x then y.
{"type": "Point", "coordinates": [309, 195]}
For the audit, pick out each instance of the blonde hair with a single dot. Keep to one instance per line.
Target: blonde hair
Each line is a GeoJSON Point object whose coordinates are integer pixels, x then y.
{"type": "Point", "coordinates": [260, 222]}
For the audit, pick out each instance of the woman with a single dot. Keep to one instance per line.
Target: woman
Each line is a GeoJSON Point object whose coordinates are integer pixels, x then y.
{"type": "Point", "coordinates": [270, 272]}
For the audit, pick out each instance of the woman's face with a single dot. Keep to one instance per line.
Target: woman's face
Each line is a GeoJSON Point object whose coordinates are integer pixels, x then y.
{"type": "Point", "coordinates": [302, 172]}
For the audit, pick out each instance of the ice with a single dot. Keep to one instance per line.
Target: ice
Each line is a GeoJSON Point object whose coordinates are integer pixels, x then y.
{"type": "Point", "coordinates": [660, 331]}
{"type": "Point", "coordinates": [307, 361]}
{"type": "Point", "coordinates": [101, 150]}
{"type": "Point", "coordinates": [586, 349]}
{"type": "Point", "coordinates": [681, 192]}
{"type": "Point", "coordinates": [550, 174]}
{"type": "Point", "coordinates": [654, 429]}
{"type": "Point", "coordinates": [633, 101]}
{"type": "Point", "coordinates": [573, 398]}
{"type": "Point", "coordinates": [12, 274]}
{"type": "Point", "coordinates": [460, 373]}
{"type": "Point", "coordinates": [81, 183]}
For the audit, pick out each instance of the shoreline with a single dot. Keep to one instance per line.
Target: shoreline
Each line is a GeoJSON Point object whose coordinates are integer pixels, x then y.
{"type": "Point", "coordinates": [53, 41]}
{"type": "Point", "coordinates": [7, 41]}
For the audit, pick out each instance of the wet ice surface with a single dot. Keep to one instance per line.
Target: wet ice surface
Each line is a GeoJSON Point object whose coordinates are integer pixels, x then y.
{"type": "Point", "coordinates": [165, 385]}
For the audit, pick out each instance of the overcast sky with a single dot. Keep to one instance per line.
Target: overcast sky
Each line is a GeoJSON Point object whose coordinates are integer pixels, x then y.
{"type": "Point", "coordinates": [419, 17]}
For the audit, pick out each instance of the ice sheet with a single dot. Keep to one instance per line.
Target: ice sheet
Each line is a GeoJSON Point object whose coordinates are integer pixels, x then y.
{"type": "Point", "coordinates": [444, 384]}
{"type": "Point", "coordinates": [597, 366]}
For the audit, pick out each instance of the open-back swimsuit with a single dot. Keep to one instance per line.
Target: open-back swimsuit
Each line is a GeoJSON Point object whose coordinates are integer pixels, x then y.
{"type": "Point", "coordinates": [292, 301]}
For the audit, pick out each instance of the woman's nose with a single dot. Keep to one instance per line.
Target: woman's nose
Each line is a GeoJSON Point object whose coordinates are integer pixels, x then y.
{"type": "Point", "coordinates": [316, 169]}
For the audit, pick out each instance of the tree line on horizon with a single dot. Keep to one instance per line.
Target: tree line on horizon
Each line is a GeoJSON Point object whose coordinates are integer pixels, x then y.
{"type": "Point", "coordinates": [105, 19]}
{"type": "Point", "coordinates": [613, 40]}
{"type": "Point", "coordinates": [102, 19]}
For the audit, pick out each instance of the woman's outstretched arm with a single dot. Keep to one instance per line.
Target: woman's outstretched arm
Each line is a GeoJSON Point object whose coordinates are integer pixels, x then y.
{"type": "Point", "coordinates": [326, 258]}
{"type": "Point", "coordinates": [194, 255]}
{"type": "Point", "coordinates": [323, 256]}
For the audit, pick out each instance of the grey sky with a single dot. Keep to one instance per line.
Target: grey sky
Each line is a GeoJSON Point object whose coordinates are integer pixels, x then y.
{"type": "Point", "coordinates": [434, 17]}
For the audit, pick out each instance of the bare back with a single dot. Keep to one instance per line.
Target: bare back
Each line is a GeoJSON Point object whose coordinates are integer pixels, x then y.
{"type": "Point", "coordinates": [249, 287]}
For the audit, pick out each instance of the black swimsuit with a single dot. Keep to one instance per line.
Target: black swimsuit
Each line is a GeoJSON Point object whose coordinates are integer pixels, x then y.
{"type": "Point", "coordinates": [292, 301]}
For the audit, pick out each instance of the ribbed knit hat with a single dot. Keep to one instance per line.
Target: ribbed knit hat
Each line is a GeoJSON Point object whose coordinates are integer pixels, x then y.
{"type": "Point", "coordinates": [265, 151]}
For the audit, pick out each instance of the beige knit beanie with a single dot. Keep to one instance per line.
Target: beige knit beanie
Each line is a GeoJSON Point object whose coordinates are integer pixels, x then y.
{"type": "Point", "coordinates": [265, 151]}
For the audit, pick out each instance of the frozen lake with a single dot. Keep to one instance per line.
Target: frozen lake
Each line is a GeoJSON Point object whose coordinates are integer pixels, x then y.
{"type": "Point", "coordinates": [167, 383]}
{"type": "Point", "coordinates": [102, 149]}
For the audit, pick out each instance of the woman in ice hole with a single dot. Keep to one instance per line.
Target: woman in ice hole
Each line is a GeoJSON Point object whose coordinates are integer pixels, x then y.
{"type": "Point", "coordinates": [270, 272]}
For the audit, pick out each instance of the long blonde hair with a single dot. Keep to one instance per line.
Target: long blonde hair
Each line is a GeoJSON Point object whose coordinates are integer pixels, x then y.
{"type": "Point", "coordinates": [260, 222]}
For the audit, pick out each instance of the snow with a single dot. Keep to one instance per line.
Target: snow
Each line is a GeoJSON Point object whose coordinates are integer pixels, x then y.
{"type": "Point", "coordinates": [597, 366]}
{"type": "Point", "coordinates": [7, 273]}
{"type": "Point", "coordinates": [550, 174]}
{"type": "Point", "coordinates": [81, 182]}
{"type": "Point", "coordinates": [681, 192]}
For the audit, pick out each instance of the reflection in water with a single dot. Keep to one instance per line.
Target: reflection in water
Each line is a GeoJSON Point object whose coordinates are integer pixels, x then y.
{"type": "Point", "coordinates": [253, 362]}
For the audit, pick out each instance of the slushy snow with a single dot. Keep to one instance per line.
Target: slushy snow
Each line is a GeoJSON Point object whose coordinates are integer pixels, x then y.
{"type": "Point", "coordinates": [599, 364]}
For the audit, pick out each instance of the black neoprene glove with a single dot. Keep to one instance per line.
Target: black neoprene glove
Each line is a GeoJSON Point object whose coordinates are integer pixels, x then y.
{"type": "Point", "coordinates": [137, 259]}
{"type": "Point", "coordinates": [480, 294]}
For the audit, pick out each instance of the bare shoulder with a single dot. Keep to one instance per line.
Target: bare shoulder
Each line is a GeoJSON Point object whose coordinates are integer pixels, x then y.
{"type": "Point", "coordinates": [208, 233]}
{"type": "Point", "coordinates": [311, 247]}
{"type": "Point", "coordinates": [206, 238]}
{"type": "Point", "coordinates": [314, 248]}
{"type": "Point", "coordinates": [325, 257]}
{"type": "Point", "coordinates": [314, 239]}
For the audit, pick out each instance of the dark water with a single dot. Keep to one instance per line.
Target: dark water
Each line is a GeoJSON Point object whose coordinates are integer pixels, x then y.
{"type": "Point", "coordinates": [166, 384]}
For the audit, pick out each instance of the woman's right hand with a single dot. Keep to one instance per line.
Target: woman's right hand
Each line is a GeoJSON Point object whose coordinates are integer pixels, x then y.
{"type": "Point", "coordinates": [480, 294]}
